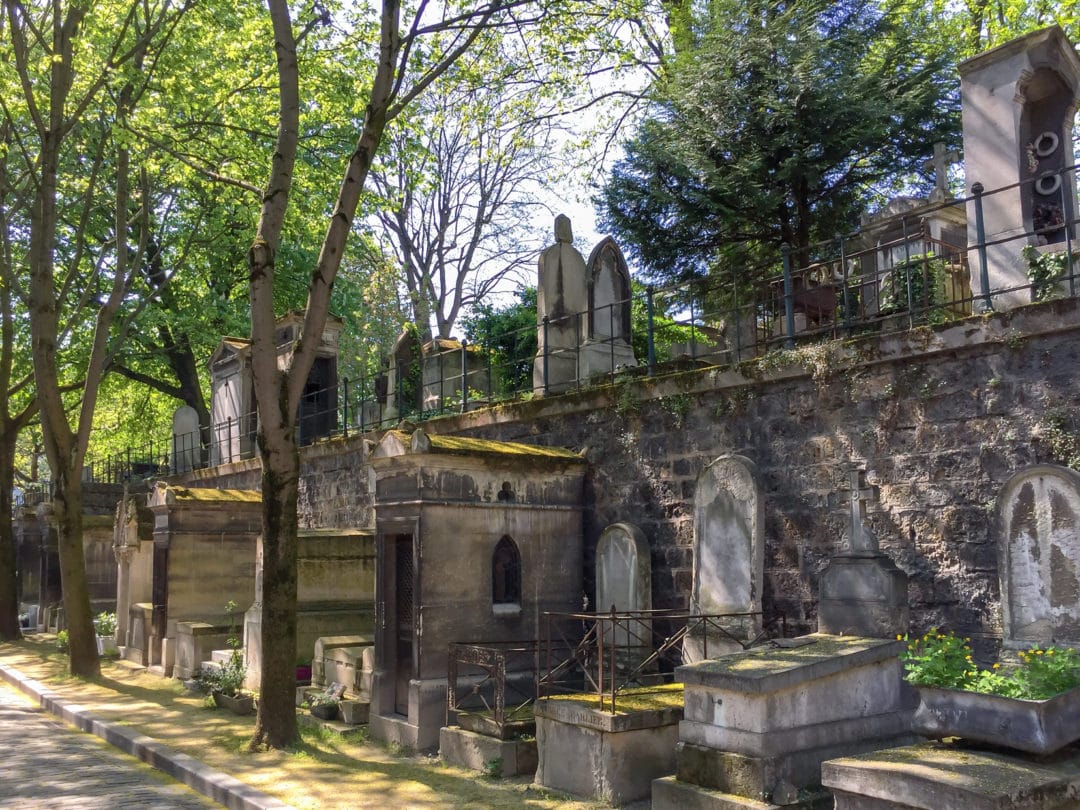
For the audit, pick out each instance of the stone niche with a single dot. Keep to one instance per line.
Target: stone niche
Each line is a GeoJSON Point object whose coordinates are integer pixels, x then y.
{"type": "Point", "coordinates": [475, 540]}
{"type": "Point", "coordinates": [335, 583]}
{"type": "Point", "coordinates": [1019, 101]}
{"type": "Point", "coordinates": [1039, 557]}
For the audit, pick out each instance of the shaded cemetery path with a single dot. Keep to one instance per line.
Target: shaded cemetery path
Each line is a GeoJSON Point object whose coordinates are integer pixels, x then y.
{"type": "Point", "coordinates": [48, 764]}
{"type": "Point", "coordinates": [326, 771]}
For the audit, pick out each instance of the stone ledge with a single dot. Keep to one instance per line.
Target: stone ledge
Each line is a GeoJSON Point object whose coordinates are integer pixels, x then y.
{"type": "Point", "coordinates": [766, 670]}
{"type": "Point", "coordinates": [576, 713]}
{"type": "Point", "coordinates": [935, 776]}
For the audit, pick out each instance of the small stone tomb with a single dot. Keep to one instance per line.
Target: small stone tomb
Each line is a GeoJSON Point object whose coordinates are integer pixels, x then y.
{"type": "Point", "coordinates": [728, 555]}
{"type": "Point", "coordinates": [1039, 557]}
{"type": "Point", "coordinates": [759, 724]}
{"type": "Point", "coordinates": [475, 540]}
{"type": "Point", "coordinates": [863, 593]}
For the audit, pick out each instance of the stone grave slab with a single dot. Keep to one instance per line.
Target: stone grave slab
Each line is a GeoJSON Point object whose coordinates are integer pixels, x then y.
{"type": "Point", "coordinates": [937, 776]}
{"type": "Point", "coordinates": [764, 720]}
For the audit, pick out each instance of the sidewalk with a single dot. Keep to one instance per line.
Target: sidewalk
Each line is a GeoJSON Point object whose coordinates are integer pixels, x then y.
{"type": "Point", "coordinates": [206, 748]}
{"type": "Point", "coordinates": [51, 766]}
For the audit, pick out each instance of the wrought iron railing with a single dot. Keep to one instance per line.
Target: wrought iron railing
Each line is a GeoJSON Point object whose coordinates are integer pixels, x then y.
{"type": "Point", "coordinates": [606, 654]}
{"type": "Point", "coordinates": [913, 268]}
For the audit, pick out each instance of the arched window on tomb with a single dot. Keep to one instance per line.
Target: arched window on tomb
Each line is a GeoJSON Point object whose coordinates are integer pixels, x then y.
{"type": "Point", "coordinates": [506, 573]}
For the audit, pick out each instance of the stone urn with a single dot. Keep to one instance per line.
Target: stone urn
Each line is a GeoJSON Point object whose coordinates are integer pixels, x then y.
{"type": "Point", "coordinates": [1036, 726]}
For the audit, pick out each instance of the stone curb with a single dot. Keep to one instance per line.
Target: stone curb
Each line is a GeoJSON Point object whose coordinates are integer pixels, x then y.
{"type": "Point", "coordinates": [220, 787]}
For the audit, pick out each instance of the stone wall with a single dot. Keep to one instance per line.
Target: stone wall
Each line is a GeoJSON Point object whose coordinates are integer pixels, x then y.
{"type": "Point", "coordinates": [940, 418]}
{"type": "Point", "coordinates": [333, 484]}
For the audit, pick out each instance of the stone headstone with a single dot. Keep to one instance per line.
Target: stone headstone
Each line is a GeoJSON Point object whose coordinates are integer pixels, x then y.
{"type": "Point", "coordinates": [1018, 103]}
{"type": "Point", "coordinates": [728, 551]}
{"type": "Point", "coordinates": [624, 584]}
{"type": "Point", "coordinates": [623, 569]}
{"type": "Point", "coordinates": [562, 300]}
{"type": "Point", "coordinates": [1039, 556]}
{"type": "Point", "coordinates": [606, 344]}
{"type": "Point", "coordinates": [862, 592]}
{"type": "Point", "coordinates": [185, 439]}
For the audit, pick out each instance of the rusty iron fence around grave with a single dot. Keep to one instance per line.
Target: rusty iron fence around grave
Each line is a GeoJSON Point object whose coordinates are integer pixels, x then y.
{"type": "Point", "coordinates": [609, 653]}
{"type": "Point", "coordinates": [492, 686]}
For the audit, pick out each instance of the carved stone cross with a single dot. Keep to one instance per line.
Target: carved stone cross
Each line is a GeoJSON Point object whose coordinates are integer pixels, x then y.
{"type": "Point", "coordinates": [939, 165]}
{"type": "Point", "coordinates": [860, 538]}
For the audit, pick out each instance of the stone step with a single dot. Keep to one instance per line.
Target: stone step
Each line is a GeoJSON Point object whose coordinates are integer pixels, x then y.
{"type": "Point", "coordinates": [222, 656]}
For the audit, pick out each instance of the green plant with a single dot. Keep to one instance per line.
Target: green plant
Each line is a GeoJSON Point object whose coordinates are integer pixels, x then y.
{"type": "Point", "coordinates": [322, 699]}
{"type": "Point", "coordinates": [1044, 272]}
{"type": "Point", "coordinates": [678, 406]}
{"type": "Point", "coordinates": [924, 276]}
{"type": "Point", "coordinates": [62, 641]}
{"type": "Point", "coordinates": [228, 679]}
{"type": "Point", "coordinates": [945, 660]}
{"type": "Point", "coordinates": [105, 624]}
{"type": "Point", "coordinates": [493, 768]}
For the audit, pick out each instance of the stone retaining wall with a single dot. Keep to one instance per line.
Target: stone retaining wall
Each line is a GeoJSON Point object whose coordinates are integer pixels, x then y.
{"type": "Point", "coordinates": [940, 418]}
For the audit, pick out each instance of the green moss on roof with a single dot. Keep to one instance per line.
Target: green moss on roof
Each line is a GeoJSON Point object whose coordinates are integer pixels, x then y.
{"type": "Point", "coordinates": [644, 699]}
{"type": "Point", "coordinates": [207, 494]}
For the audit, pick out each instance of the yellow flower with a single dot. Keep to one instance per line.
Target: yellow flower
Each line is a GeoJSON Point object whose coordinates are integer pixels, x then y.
{"type": "Point", "coordinates": [997, 666]}
{"type": "Point", "coordinates": [1049, 652]}
{"type": "Point", "coordinates": [967, 657]}
{"type": "Point", "coordinates": [899, 637]}
{"type": "Point", "coordinates": [1038, 652]}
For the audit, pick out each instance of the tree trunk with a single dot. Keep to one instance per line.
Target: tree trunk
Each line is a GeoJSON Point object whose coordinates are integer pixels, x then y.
{"type": "Point", "coordinates": [82, 644]}
{"type": "Point", "coordinates": [9, 585]}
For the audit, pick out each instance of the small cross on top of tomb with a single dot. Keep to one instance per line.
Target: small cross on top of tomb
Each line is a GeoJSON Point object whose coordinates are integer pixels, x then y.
{"type": "Point", "coordinates": [939, 165]}
{"type": "Point", "coordinates": [860, 538]}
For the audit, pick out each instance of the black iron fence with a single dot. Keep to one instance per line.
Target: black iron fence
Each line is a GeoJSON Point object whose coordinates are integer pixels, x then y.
{"type": "Point", "coordinates": [920, 264]}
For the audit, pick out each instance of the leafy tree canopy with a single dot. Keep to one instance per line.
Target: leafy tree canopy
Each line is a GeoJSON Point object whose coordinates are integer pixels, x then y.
{"type": "Point", "coordinates": [776, 123]}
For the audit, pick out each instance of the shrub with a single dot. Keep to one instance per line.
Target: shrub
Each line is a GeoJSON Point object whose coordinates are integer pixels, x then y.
{"type": "Point", "coordinates": [105, 624]}
{"type": "Point", "coordinates": [945, 660]}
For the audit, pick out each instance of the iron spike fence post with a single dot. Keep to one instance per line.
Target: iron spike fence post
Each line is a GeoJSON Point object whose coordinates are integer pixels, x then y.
{"type": "Point", "coordinates": [650, 331]}
{"type": "Point", "coordinates": [693, 327]}
{"type": "Point", "coordinates": [847, 295]}
{"type": "Point", "coordinates": [980, 238]}
{"type": "Point", "coordinates": [907, 274]}
{"type": "Point", "coordinates": [547, 385]}
{"type": "Point", "coordinates": [789, 298]}
{"type": "Point", "coordinates": [464, 376]}
{"type": "Point", "coordinates": [1065, 208]}
{"type": "Point", "coordinates": [345, 407]}
{"type": "Point", "coordinates": [400, 390]}
{"type": "Point", "coordinates": [738, 316]}
{"type": "Point", "coordinates": [611, 338]}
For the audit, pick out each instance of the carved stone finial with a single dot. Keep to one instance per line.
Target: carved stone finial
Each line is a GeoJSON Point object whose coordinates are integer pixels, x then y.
{"type": "Point", "coordinates": [563, 231]}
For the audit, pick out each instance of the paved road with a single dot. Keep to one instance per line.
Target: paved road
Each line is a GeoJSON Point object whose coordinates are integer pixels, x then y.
{"type": "Point", "coordinates": [47, 765]}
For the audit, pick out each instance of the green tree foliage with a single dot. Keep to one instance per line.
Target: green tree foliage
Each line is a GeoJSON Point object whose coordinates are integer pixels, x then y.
{"type": "Point", "coordinates": [773, 124]}
{"type": "Point", "coordinates": [507, 333]}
